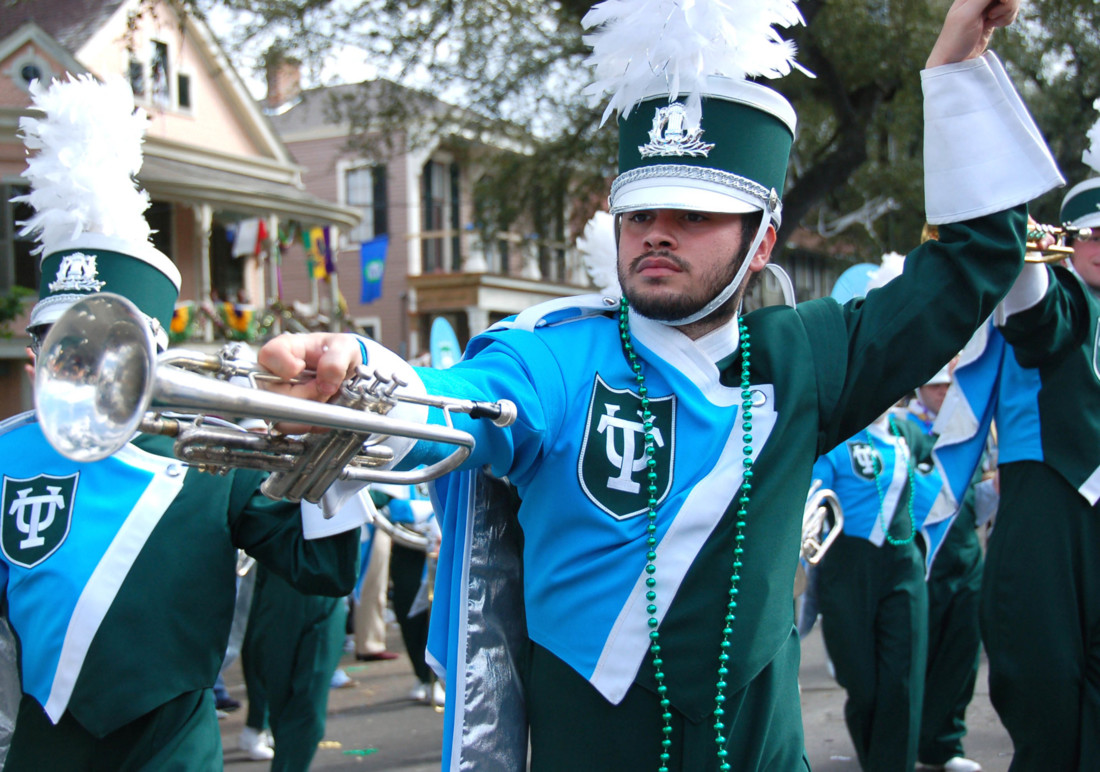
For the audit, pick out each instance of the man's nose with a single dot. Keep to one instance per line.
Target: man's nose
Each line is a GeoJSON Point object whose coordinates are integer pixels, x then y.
{"type": "Point", "coordinates": [661, 234]}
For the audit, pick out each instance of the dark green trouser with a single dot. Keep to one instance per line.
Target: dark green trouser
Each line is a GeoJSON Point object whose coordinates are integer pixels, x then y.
{"type": "Point", "coordinates": [406, 571]}
{"type": "Point", "coordinates": [1040, 620]}
{"type": "Point", "coordinates": [574, 728]}
{"type": "Point", "coordinates": [874, 619]}
{"type": "Point", "coordinates": [293, 644]}
{"type": "Point", "coordinates": [954, 642]}
{"type": "Point", "coordinates": [179, 736]}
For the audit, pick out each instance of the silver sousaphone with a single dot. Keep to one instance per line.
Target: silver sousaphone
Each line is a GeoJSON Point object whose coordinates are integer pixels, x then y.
{"type": "Point", "coordinates": [99, 381]}
{"type": "Point", "coordinates": [822, 522]}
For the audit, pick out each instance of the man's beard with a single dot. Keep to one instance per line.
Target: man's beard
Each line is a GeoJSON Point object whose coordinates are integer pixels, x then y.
{"type": "Point", "coordinates": [669, 308]}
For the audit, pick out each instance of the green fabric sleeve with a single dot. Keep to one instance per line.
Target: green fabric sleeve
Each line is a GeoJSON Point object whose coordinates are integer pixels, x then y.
{"type": "Point", "coordinates": [897, 337]}
{"type": "Point", "coordinates": [1052, 328]}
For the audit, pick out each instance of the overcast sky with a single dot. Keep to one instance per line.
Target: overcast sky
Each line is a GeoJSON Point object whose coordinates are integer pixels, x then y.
{"type": "Point", "coordinates": [343, 66]}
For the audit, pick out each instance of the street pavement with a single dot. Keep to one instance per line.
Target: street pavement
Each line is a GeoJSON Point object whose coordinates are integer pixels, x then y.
{"type": "Point", "coordinates": [374, 727]}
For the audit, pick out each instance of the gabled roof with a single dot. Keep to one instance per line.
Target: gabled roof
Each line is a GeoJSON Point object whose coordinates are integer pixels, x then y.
{"type": "Point", "coordinates": [333, 110]}
{"type": "Point", "coordinates": [268, 181]}
{"type": "Point", "coordinates": [70, 22]}
{"type": "Point", "coordinates": [314, 108]}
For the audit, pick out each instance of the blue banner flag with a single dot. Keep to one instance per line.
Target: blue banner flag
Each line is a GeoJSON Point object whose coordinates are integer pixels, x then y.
{"type": "Point", "coordinates": [968, 409]}
{"type": "Point", "coordinates": [372, 265]}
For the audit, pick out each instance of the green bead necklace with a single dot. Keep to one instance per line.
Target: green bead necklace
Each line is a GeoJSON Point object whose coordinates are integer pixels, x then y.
{"type": "Point", "coordinates": [882, 494]}
{"type": "Point", "coordinates": [651, 543]}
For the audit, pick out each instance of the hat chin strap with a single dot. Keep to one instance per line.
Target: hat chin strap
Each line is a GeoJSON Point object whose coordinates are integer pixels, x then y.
{"type": "Point", "coordinates": [722, 297]}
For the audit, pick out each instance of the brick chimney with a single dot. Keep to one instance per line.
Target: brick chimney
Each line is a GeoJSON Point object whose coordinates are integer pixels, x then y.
{"type": "Point", "coordinates": [284, 81]}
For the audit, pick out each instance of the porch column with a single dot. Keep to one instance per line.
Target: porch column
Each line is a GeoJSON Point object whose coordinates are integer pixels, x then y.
{"type": "Point", "coordinates": [334, 281]}
{"type": "Point", "coordinates": [204, 220]}
{"type": "Point", "coordinates": [272, 268]}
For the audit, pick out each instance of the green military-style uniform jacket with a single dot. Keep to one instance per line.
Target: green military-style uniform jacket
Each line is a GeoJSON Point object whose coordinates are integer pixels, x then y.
{"type": "Point", "coordinates": [1040, 601]}
{"type": "Point", "coordinates": [822, 372]}
{"type": "Point", "coordinates": [123, 611]}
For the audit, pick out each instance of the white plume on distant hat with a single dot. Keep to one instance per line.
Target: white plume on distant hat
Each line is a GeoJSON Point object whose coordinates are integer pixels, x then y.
{"type": "Point", "coordinates": [600, 253]}
{"type": "Point", "coordinates": [1091, 156]}
{"type": "Point", "coordinates": [1081, 204]}
{"type": "Point", "coordinates": [88, 152]}
{"type": "Point", "coordinates": [892, 265]}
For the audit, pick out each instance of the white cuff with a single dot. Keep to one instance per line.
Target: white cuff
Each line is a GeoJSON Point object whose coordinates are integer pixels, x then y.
{"type": "Point", "coordinates": [982, 151]}
{"type": "Point", "coordinates": [348, 504]}
{"type": "Point", "coordinates": [1030, 287]}
{"type": "Point", "coordinates": [388, 364]}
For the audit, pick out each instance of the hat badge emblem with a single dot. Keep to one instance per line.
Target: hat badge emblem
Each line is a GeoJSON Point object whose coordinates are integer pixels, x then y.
{"type": "Point", "coordinates": [672, 135]}
{"type": "Point", "coordinates": [77, 273]}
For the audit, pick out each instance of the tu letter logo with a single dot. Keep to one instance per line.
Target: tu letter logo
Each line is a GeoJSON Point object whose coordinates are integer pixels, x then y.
{"type": "Point", "coordinates": [866, 460]}
{"type": "Point", "coordinates": [36, 517]}
{"type": "Point", "coordinates": [613, 468]}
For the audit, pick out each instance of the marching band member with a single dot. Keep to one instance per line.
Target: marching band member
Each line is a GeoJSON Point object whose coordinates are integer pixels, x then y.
{"type": "Point", "coordinates": [665, 442]}
{"type": "Point", "coordinates": [954, 585]}
{"type": "Point", "coordinates": [870, 587]}
{"type": "Point", "coordinates": [119, 575]}
{"type": "Point", "coordinates": [1040, 604]}
{"type": "Point", "coordinates": [292, 646]}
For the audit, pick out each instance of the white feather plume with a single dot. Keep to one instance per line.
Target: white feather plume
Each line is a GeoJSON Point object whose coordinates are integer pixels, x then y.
{"type": "Point", "coordinates": [86, 152]}
{"type": "Point", "coordinates": [684, 41]}
{"type": "Point", "coordinates": [600, 253]}
{"type": "Point", "coordinates": [1091, 156]}
{"type": "Point", "coordinates": [891, 268]}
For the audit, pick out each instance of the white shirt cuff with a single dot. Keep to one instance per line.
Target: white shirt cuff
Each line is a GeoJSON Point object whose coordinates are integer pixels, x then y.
{"type": "Point", "coordinates": [1030, 287]}
{"type": "Point", "coordinates": [390, 365]}
{"type": "Point", "coordinates": [349, 505]}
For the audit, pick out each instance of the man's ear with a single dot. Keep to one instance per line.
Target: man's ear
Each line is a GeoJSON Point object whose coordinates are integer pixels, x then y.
{"type": "Point", "coordinates": [764, 251]}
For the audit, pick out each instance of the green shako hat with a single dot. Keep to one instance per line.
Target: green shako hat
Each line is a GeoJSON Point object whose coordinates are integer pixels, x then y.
{"type": "Point", "coordinates": [694, 133]}
{"type": "Point", "coordinates": [733, 159]}
{"type": "Point", "coordinates": [96, 263]}
{"type": "Point", "coordinates": [89, 215]}
{"type": "Point", "coordinates": [1081, 206]}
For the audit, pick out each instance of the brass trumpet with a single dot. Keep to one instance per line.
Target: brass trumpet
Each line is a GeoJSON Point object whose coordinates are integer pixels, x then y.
{"type": "Point", "coordinates": [98, 381]}
{"type": "Point", "coordinates": [1033, 253]}
{"type": "Point", "coordinates": [1057, 251]}
{"type": "Point", "coordinates": [822, 521]}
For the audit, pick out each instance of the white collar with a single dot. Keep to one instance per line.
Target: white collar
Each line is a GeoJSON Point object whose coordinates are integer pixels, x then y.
{"type": "Point", "coordinates": [687, 356]}
{"type": "Point", "coordinates": [721, 342]}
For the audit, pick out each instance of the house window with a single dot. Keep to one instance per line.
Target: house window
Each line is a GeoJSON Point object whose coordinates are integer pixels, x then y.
{"type": "Point", "coordinates": [160, 88]}
{"type": "Point", "coordinates": [18, 267]}
{"type": "Point", "coordinates": [137, 77]}
{"type": "Point", "coordinates": [552, 263]}
{"type": "Point", "coordinates": [28, 68]}
{"type": "Point", "coordinates": [183, 89]}
{"type": "Point", "coordinates": [440, 202]}
{"type": "Point", "coordinates": [371, 326]}
{"type": "Point", "coordinates": [365, 189]}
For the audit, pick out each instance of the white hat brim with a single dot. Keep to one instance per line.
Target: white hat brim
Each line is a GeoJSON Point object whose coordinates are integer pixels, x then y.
{"type": "Point", "coordinates": [676, 193]}
{"type": "Point", "coordinates": [1091, 220]}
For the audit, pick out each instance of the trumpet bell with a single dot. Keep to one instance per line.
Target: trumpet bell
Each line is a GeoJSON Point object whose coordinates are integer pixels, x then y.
{"type": "Point", "coordinates": [92, 377]}
{"type": "Point", "coordinates": [99, 381]}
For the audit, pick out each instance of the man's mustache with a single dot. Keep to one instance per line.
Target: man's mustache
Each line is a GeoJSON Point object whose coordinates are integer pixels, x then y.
{"type": "Point", "coordinates": [664, 254]}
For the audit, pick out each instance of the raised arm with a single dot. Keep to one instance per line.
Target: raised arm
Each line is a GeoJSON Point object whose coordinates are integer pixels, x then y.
{"type": "Point", "coordinates": [968, 27]}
